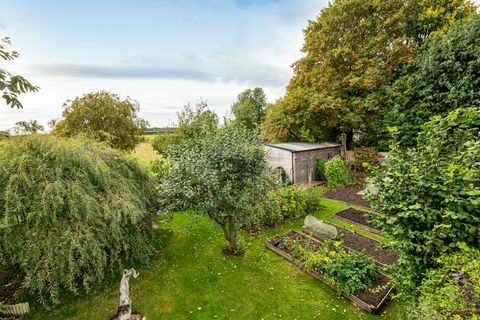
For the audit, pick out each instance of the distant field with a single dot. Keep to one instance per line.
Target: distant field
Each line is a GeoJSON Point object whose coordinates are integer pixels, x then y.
{"type": "Point", "coordinates": [144, 151]}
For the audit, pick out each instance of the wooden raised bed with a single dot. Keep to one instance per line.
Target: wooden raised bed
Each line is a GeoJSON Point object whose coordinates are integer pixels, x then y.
{"type": "Point", "coordinates": [361, 244]}
{"type": "Point", "coordinates": [362, 298]}
{"type": "Point", "coordinates": [20, 309]}
{"type": "Point", "coordinates": [357, 218]}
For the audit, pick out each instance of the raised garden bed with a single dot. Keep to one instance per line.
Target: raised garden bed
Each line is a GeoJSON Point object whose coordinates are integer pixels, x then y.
{"type": "Point", "coordinates": [348, 194]}
{"type": "Point", "coordinates": [362, 244]}
{"type": "Point", "coordinates": [370, 299]}
{"type": "Point", "coordinates": [358, 218]}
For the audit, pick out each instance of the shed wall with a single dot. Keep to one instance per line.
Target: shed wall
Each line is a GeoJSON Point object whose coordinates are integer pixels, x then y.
{"type": "Point", "coordinates": [280, 158]}
{"type": "Point", "coordinates": [304, 163]}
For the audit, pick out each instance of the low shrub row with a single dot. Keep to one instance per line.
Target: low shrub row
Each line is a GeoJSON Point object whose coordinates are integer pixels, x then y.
{"type": "Point", "coordinates": [286, 203]}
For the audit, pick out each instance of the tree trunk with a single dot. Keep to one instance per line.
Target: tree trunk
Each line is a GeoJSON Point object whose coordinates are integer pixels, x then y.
{"type": "Point", "coordinates": [231, 235]}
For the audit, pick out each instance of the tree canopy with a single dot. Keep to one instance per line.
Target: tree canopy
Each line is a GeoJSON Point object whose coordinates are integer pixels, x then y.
{"type": "Point", "coordinates": [443, 77]}
{"type": "Point", "coordinates": [353, 51]}
{"type": "Point", "coordinates": [70, 211]}
{"type": "Point", "coordinates": [12, 85]}
{"type": "Point", "coordinates": [194, 121]}
{"type": "Point", "coordinates": [249, 109]}
{"type": "Point", "coordinates": [104, 117]}
{"type": "Point", "coordinates": [28, 127]}
{"type": "Point", "coordinates": [221, 174]}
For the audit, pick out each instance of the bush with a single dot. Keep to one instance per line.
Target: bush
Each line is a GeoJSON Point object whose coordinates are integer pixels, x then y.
{"type": "Point", "coordinates": [71, 210]}
{"type": "Point", "coordinates": [320, 168]}
{"type": "Point", "coordinates": [159, 168]}
{"type": "Point", "coordinates": [453, 290]}
{"type": "Point", "coordinates": [336, 173]}
{"type": "Point", "coordinates": [287, 203]}
{"type": "Point", "coordinates": [430, 194]}
{"type": "Point", "coordinates": [365, 157]}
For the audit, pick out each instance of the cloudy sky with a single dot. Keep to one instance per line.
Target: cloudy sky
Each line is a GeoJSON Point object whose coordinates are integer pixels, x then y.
{"type": "Point", "coordinates": [159, 52]}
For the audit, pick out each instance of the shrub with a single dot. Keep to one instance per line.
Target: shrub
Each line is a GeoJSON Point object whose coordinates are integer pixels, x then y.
{"type": "Point", "coordinates": [365, 157]}
{"type": "Point", "coordinates": [71, 210]}
{"type": "Point", "coordinates": [4, 135]}
{"type": "Point", "coordinates": [430, 194]}
{"type": "Point", "coordinates": [320, 168]}
{"type": "Point", "coordinates": [336, 173]}
{"type": "Point", "coordinates": [159, 168]}
{"type": "Point", "coordinates": [453, 290]}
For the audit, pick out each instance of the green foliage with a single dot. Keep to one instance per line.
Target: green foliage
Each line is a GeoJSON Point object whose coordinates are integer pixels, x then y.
{"type": "Point", "coordinates": [286, 203]}
{"type": "Point", "coordinates": [320, 168]}
{"type": "Point", "coordinates": [443, 77]}
{"type": "Point", "coordinates": [159, 168]}
{"type": "Point", "coordinates": [349, 272]}
{"type": "Point", "coordinates": [70, 211]}
{"type": "Point", "coordinates": [11, 85]}
{"type": "Point", "coordinates": [453, 290]}
{"type": "Point", "coordinates": [365, 157]}
{"type": "Point", "coordinates": [249, 109]}
{"type": "Point", "coordinates": [336, 173]}
{"type": "Point", "coordinates": [28, 127]}
{"type": "Point", "coordinates": [223, 174]}
{"type": "Point", "coordinates": [430, 194]}
{"type": "Point", "coordinates": [104, 117]}
{"type": "Point", "coordinates": [194, 122]}
{"type": "Point", "coordinates": [4, 135]}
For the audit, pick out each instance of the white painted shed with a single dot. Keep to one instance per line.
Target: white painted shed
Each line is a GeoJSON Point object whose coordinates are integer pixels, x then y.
{"type": "Point", "coordinates": [298, 159]}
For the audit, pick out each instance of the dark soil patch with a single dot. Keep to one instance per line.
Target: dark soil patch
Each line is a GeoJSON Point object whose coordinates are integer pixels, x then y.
{"type": "Point", "coordinates": [372, 296]}
{"type": "Point", "coordinates": [357, 217]}
{"type": "Point", "coordinates": [372, 248]}
{"type": "Point", "coordinates": [349, 195]}
{"type": "Point", "coordinates": [10, 287]}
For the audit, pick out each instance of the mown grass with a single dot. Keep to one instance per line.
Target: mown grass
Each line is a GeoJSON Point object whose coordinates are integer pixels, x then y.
{"type": "Point", "coordinates": [192, 279]}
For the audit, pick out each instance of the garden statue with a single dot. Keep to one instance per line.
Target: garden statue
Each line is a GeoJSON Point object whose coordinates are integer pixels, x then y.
{"type": "Point", "coordinates": [124, 311]}
{"type": "Point", "coordinates": [320, 228]}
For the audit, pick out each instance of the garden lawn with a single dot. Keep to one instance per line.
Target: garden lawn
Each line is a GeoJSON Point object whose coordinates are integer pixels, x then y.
{"type": "Point", "coordinates": [192, 279]}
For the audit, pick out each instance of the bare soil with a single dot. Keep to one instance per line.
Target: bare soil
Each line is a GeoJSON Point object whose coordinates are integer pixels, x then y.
{"type": "Point", "coordinates": [349, 195]}
{"type": "Point", "coordinates": [360, 218]}
{"type": "Point", "coordinates": [360, 243]}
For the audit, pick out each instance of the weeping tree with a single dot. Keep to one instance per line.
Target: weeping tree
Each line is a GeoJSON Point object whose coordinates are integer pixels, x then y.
{"type": "Point", "coordinates": [70, 211]}
{"type": "Point", "coordinates": [222, 174]}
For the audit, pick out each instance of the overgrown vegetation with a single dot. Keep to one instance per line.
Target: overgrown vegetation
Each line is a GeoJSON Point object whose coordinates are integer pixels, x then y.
{"type": "Point", "coordinates": [70, 211]}
{"type": "Point", "coordinates": [104, 117]}
{"type": "Point", "coordinates": [430, 194]}
{"type": "Point", "coordinates": [453, 290]}
{"type": "Point", "coordinates": [336, 173]}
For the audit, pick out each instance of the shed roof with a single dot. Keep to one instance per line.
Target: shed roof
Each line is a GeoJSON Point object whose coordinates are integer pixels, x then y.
{"type": "Point", "coordinates": [303, 146]}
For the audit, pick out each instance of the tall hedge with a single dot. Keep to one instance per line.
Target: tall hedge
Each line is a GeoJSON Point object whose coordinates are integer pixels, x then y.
{"type": "Point", "coordinates": [70, 210]}
{"type": "Point", "coordinates": [430, 194]}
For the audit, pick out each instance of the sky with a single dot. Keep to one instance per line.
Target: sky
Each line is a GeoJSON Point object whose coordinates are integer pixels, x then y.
{"type": "Point", "coordinates": [161, 53]}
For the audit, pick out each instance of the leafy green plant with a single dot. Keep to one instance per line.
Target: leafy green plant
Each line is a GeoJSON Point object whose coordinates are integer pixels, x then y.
{"type": "Point", "coordinates": [70, 211]}
{"type": "Point", "coordinates": [430, 195]}
{"type": "Point", "coordinates": [159, 168]}
{"type": "Point", "coordinates": [336, 173]}
{"type": "Point", "coordinates": [451, 291]}
{"type": "Point", "coordinates": [365, 157]}
{"type": "Point", "coordinates": [320, 168]}
{"type": "Point", "coordinates": [349, 272]}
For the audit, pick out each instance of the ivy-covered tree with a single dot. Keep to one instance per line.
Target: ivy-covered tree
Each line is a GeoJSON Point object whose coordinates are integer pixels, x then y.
{"type": "Point", "coordinates": [222, 174]}
{"type": "Point", "coordinates": [443, 77]}
{"type": "Point", "coordinates": [12, 85]}
{"type": "Point", "coordinates": [193, 121]}
{"type": "Point", "coordinates": [104, 117]}
{"type": "Point", "coordinates": [249, 109]}
{"type": "Point", "coordinates": [430, 194]}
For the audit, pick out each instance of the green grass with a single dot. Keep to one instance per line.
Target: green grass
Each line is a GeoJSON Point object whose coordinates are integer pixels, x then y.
{"type": "Point", "coordinates": [192, 279]}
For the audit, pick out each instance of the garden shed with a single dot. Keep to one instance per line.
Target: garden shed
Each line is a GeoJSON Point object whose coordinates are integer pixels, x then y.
{"type": "Point", "coordinates": [298, 159]}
